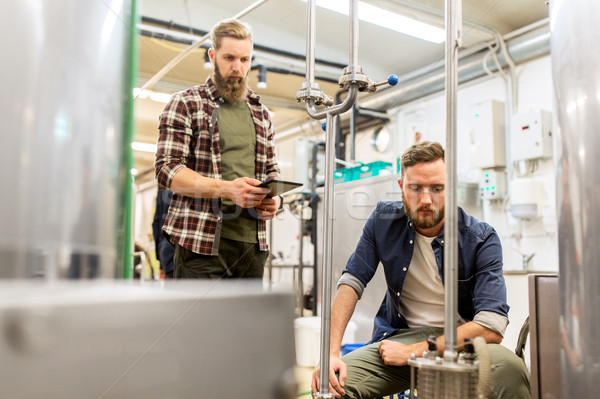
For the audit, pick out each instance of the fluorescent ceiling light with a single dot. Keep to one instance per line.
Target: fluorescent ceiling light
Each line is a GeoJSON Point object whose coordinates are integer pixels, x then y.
{"type": "Point", "coordinates": [143, 147]}
{"type": "Point", "coordinates": [153, 95]}
{"type": "Point", "coordinates": [387, 19]}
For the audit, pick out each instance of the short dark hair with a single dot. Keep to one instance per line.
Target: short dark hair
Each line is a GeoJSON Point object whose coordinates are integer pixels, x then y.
{"type": "Point", "coordinates": [421, 152]}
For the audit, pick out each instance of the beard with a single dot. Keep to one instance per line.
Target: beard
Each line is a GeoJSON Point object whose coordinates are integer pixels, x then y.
{"type": "Point", "coordinates": [233, 91]}
{"type": "Point", "coordinates": [423, 222]}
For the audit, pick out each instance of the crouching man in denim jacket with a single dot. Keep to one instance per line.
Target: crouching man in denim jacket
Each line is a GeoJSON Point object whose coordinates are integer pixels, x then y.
{"type": "Point", "coordinates": [407, 238]}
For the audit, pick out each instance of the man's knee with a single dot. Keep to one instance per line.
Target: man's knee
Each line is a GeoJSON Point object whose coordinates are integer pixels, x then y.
{"type": "Point", "coordinates": [510, 378]}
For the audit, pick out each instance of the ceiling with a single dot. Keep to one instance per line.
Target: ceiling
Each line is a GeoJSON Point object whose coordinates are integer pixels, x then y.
{"type": "Point", "coordinates": [280, 27]}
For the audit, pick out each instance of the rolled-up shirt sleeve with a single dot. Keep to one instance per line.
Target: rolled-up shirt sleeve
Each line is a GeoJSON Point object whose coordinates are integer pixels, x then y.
{"type": "Point", "coordinates": [175, 136]}
{"type": "Point", "coordinates": [494, 321]}
{"type": "Point", "coordinates": [352, 281]}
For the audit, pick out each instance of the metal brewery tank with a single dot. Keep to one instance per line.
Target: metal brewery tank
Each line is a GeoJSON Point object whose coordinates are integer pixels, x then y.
{"type": "Point", "coordinates": [575, 34]}
{"type": "Point", "coordinates": [65, 89]}
{"type": "Point", "coordinates": [64, 93]}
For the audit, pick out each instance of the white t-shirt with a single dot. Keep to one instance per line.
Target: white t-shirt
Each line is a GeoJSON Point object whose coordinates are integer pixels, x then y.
{"type": "Point", "coordinates": [423, 295]}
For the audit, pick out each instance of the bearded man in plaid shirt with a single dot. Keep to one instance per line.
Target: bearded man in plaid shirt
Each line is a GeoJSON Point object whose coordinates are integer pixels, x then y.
{"type": "Point", "coordinates": [215, 146]}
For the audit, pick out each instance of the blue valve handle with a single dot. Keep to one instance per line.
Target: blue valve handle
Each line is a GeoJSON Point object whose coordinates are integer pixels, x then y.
{"type": "Point", "coordinates": [324, 126]}
{"type": "Point", "coordinates": [392, 80]}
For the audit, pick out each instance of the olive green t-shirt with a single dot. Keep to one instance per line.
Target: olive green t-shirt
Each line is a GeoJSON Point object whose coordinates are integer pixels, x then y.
{"type": "Point", "coordinates": [237, 136]}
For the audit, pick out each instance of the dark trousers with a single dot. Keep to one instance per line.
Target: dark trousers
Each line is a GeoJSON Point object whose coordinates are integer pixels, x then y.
{"type": "Point", "coordinates": [236, 259]}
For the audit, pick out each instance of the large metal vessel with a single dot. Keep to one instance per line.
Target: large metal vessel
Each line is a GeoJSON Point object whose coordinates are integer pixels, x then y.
{"type": "Point", "coordinates": [575, 33]}
{"type": "Point", "coordinates": [64, 96]}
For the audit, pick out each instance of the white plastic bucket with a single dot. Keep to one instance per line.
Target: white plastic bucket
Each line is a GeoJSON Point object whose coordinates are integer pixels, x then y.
{"type": "Point", "coordinates": [308, 339]}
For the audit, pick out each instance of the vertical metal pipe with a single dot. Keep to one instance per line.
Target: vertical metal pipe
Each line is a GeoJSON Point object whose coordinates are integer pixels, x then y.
{"type": "Point", "coordinates": [310, 41]}
{"type": "Point", "coordinates": [353, 133]}
{"type": "Point", "coordinates": [301, 262]}
{"type": "Point", "coordinates": [270, 257]}
{"type": "Point", "coordinates": [451, 223]}
{"type": "Point", "coordinates": [575, 55]}
{"type": "Point", "coordinates": [353, 48]}
{"type": "Point", "coordinates": [340, 146]}
{"type": "Point", "coordinates": [327, 252]}
{"type": "Point", "coordinates": [412, 382]}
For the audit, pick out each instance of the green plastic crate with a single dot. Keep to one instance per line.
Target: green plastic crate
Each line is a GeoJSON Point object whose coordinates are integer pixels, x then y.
{"type": "Point", "coordinates": [374, 169]}
{"type": "Point", "coordinates": [362, 171]}
{"type": "Point", "coordinates": [344, 175]}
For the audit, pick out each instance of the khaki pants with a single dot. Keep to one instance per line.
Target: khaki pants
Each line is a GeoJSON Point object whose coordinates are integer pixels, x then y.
{"type": "Point", "coordinates": [369, 377]}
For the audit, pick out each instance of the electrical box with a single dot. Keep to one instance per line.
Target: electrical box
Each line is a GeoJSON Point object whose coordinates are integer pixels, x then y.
{"type": "Point", "coordinates": [492, 184]}
{"type": "Point", "coordinates": [531, 136]}
{"type": "Point", "coordinates": [486, 135]}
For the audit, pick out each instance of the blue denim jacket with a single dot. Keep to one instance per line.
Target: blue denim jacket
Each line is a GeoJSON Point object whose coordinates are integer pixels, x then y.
{"type": "Point", "coordinates": [388, 237]}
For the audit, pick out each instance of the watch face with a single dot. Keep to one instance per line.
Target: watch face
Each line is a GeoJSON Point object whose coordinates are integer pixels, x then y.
{"type": "Point", "coordinates": [380, 140]}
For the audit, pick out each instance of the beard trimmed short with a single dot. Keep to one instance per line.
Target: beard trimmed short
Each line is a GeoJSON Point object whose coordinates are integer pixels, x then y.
{"type": "Point", "coordinates": [232, 91]}
{"type": "Point", "coordinates": [437, 215]}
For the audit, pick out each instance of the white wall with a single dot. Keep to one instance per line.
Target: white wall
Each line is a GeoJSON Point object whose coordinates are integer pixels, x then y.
{"type": "Point", "coordinates": [519, 237]}
{"type": "Point", "coordinates": [517, 294]}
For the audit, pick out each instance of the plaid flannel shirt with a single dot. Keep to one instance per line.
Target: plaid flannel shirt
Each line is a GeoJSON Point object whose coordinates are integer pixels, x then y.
{"type": "Point", "coordinates": [189, 137]}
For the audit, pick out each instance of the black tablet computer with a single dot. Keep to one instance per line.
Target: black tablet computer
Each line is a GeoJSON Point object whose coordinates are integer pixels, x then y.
{"type": "Point", "coordinates": [279, 187]}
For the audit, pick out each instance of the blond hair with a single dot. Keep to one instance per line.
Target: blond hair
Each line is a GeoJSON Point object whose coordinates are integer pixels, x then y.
{"type": "Point", "coordinates": [230, 28]}
{"type": "Point", "coordinates": [421, 152]}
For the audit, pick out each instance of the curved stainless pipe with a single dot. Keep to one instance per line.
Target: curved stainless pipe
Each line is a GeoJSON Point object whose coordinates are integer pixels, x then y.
{"type": "Point", "coordinates": [313, 96]}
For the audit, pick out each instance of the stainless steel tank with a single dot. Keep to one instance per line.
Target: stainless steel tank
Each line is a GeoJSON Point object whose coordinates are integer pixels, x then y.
{"type": "Point", "coordinates": [575, 34]}
{"type": "Point", "coordinates": [64, 91]}
{"type": "Point", "coordinates": [121, 339]}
